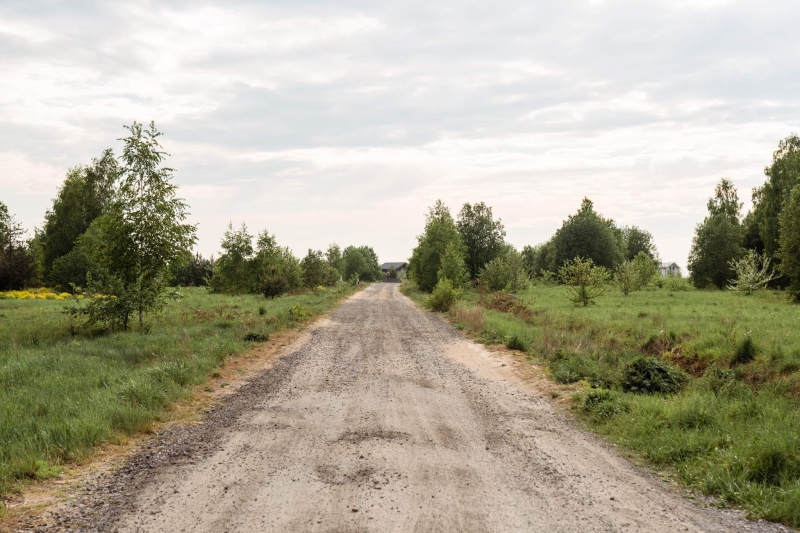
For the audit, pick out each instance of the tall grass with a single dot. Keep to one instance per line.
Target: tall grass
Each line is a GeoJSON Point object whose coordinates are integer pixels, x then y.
{"type": "Point", "coordinates": [733, 430]}
{"type": "Point", "coordinates": [62, 392]}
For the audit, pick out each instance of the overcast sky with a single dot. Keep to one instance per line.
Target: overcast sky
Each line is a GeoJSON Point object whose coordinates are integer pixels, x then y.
{"type": "Point", "coordinates": [343, 121]}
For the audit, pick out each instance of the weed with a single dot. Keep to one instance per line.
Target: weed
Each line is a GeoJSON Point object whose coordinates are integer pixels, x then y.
{"type": "Point", "coordinates": [745, 352]}
{"type": "Point", "coordinates": [649, 375]}
{"type": "Point", "coordinates": [515, 342]}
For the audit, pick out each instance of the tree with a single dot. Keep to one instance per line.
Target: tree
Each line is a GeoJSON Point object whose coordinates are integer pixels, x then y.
{"type": "Point", "coordinates": [84, 196]}
{"type": "Point", "coordinates": [335, 260]}
{"type": "Point", "coordinates": [316, 270]}
{"type": "Point", "coordinates": [517, 272]}
{"type": "Point", "coordinates": [17, 266]}
{"type": "Point", "coordinates": [633, 275]}
{"type": "Point", "coordinates": [141, 233]}
{"type": "Point", "coordinates": [529, 259]}
{"type": "Point", "coordinates": [277, 270]}
{"type": "Point", "coordinates": [440, 231]}
{"type": "Point", "coordinates": [790, 242]}
{"type": "Point", "coordinates": [584, 281]}
{"type": "Point", "coordinates": [717, 239]}
{"type": "Point", "coordinates": [495, 275]}
{"type": "Point", "coordinates": [588, 235]}
{"type": "Point", "coordinates": [638, 241]}
{"type": "Point", "coordinates": [783, 175]}
{"type": "Point", "coordinates": [752, 273]}
{"type": "Point", "coordinates": [453, 266]}
{"type": "Point", "coordinates": [234, 271]}
{"type": "Point", "coordinates": [482, 236]}
{"type": "Point", "coordinates": [193, 271]}
{"type": "Point", "coordinates": [361, 264]}
{"type": "Point", "coordinates": [543, 259]}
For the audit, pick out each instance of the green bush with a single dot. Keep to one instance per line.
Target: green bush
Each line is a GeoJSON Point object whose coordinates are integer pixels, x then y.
{"type": "Point", "coordinates": [516, 342]}
{"type": "Point", "coordinates": [299, 313]}
{"type": "Point", "coordinates": [603, 405]}
{"type": "Point", "coordinates": [745, 352]}
{"type": "Point", "coordinates": [650, 376]}
{"type": "Point", "coordinates": [444, 295]}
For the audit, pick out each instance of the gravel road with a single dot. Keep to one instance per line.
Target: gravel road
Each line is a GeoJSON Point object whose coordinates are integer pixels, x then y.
{"type": "Point", "coordinates": [386, 419]}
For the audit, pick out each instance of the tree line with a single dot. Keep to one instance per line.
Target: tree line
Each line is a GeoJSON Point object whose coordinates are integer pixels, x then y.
{"type": "Point", "coordinates": [117, 234]}
{"type": "Point", "coordinates": [471, 248]}
{"type": "Point", "coordinates": [765, 242]}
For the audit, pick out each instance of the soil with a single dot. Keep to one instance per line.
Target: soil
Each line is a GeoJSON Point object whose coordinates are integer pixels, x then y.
{"type": "Point", "coordinates": [384, 418]}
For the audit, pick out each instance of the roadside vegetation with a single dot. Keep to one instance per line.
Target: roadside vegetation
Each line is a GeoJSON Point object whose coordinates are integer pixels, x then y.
{"type": "Point", "coordinates": [107, 316]}
{"type": "Point", "coordinates": [699, 376]}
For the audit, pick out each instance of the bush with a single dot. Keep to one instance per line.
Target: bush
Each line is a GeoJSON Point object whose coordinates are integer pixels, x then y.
{"type": "Point", "coordinates": [299, 313]}
{"type": "Point", "coordinates": [745, 352]}
{"type": "Point", "coordinates": [496, 275]}
{"type": "Point", "coordinates": [444, 295]}
{"type": "Point", "coordinates": [603, 404]}
{"type": "Point", "coordinates": [584, 281]}
{"type": "Point", "coordinates": [650, 376]}
{"type": "Point", "coordinates": [256, 337]}
{"type": "Point", "coordinates": [515, 342]}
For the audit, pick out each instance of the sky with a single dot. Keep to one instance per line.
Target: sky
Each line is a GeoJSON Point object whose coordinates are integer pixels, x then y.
{"type": "Point", "coordinates": [343, 121]}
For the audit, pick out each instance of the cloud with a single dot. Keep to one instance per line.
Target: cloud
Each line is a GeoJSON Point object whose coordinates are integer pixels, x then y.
{"type": "Point", "coordinates": [345, 121]}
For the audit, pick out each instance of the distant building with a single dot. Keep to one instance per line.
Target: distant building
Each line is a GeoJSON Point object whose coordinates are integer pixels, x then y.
{"type": "Point", "coordinates": [398, 267]}
{"type": "Point", "coordinates": [669, 269]}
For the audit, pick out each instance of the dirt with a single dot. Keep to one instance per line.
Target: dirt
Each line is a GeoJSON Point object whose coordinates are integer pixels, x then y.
{"type": "Point", "coordinates": [384, 418]}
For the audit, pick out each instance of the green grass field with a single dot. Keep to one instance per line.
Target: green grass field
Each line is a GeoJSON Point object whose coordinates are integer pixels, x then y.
{"type": "Point", "coordinates": [733, 431]}
{"type": "Point", "coordinates": [61, 394]}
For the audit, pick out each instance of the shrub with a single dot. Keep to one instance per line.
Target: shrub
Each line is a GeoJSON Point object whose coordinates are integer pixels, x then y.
{"type": "Point", "coordinates": [602, 405]}
{"type": "Point", "coordinates": [649, 375]}
{"type": "Point", "coordinates": [516, 342]}
{"type": "Point", "coordinates": [299, 313]}
{"type": "Point", "coordinates": [256, 337]}
{"type": "Point", "coordinates": [745, 352]}
{"type": "Point", "coordinates": [584, 281]}
{"type": "Point", "coordinates": [496, 275]}
{"type": "Point", "coordinates": [444, 295]}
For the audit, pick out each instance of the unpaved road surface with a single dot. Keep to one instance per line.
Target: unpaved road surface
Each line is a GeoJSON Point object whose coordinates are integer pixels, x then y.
{"type": "Point", "coordinates": [386, 419]}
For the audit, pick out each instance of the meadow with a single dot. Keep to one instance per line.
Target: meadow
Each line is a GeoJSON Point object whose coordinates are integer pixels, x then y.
{"type": "Point", "coordinates": [64, 391]}
{"type": "Point", "coordinates": [727, 420]}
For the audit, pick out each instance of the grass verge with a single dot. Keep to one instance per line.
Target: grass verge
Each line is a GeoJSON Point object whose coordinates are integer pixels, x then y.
{"type": "Point", "coordinates": [703, 385]}
{"type": "Point", "coordinates": [61, 393]}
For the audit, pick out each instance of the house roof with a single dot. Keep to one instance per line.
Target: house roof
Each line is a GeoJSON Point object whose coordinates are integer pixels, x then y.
{"type": "Point", "coordinates": [387, 266]}
{"type": "Point", "coordinates": [667, 265]}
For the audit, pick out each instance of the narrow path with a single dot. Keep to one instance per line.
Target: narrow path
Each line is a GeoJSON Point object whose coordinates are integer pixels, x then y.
{"type": "Point", "coordinates": [373, 425]}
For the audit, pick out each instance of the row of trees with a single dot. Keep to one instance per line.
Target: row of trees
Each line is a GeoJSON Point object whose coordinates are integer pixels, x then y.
{"type": "Point", "coordinates": [473, 248]}
{"type": "Point", "coordinates": [273, 270]}
{"type": "Point", "coordinates": [726, 244]}
{"type": "Point", "coordinates": [117, 232]}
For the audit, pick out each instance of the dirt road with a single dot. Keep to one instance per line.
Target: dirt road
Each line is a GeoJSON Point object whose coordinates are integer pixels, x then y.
{"type": "Point", "coordinates": [386, 419]}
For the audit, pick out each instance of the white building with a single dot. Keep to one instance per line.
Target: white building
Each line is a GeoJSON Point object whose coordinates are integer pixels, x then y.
{"type": "Point", "coordinates": [669, 269]}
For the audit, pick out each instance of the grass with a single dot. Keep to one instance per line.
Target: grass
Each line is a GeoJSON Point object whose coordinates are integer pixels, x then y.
{"type": "Point", "coordinates": [732, 430]}
{"type": "Point", "coordinates": [62, 394]}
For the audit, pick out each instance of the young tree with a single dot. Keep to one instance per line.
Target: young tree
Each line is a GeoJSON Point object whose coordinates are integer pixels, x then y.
{"type": "Point", "coordinates": [426, 259]}
{"type": "Point", "coordinates": [142, 232]}
{"type": "Point", "coordinates": [234, 271]}
{"type": "Point", "coordinates": [17, 266]}
{"type": "Point", "coordinates": [334, 257]}
{"type": "Point", "coordinates": [584, 281]}
{"type": "Point", "coordinates": [517, 272]}
{"type": "Point", "coordinates": [482, 236]}
{"type": "Point", "coordinates": [588, 235]}
{"type": "Point", "coordinates": [453, 266]}
{"type": "Point", "coordinates": [633, 275]}
{"type": "Point", "coordinates": [752, 273]}
{"type": "Point", "coordinates": [717, 239]}
{"type": "Point", "coordinates": [529, 259]}
{"type": "Point", "coordinates": [316, 270]}
{"type": "Point", "coordinates": [194, 271]}
{"type": "Point", "coordinates": [495, 275]}
{"type": "Point", "coordinates": [277, 270]}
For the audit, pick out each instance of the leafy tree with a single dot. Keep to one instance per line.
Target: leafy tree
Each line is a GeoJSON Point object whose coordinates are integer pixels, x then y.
{"type": "Point", "coordinates": [71, 270]}
{"type": "Point", "coordinates": [752, 273]}
{"type": "Point", "coordinates": [633, 275]}
{"type": "Point", "coordinates": [233, 271]}
{"type": "Point", "coordinates": [453, 266]}
{"type": "Point", "coordinates": [426, 259]}
{"type": "Point", "coordinates": [316, 270]}
{"type": "Point", "coordinates": [495, 275]}
{"type": "Point", "coordinates": [790, 241]}
{"type": "Point", "coordinates": [335, 259]}
{"type": "Point", "coordinates": [543, 259]}
{"type": "Point", "coordinates": [517, 272]}
{"type": "Point", "coordinates": [717, 240]}
{"type": "Point", "coordinates": [783, 175]}
{"type": "Point", "coordinates": [392, 273]}
{"type": "Point", "coordinates": [17, 266]}
{"type": "Point", "coordinates": [277, 270]}
{"type": "Point", "coordinates": [584, 281]}
{"type": "Point", "coordinates": [84, 196]}
{"type": "Point", "coordinates": [361, 264]}
{"type": "Point", "coordinates": [588, 235]}
{"type": "Point", "coordinates": [482, 236]}
{"type": "Point", "coordinates": [529, 259]}
{"type": "Point", "coordinates": [142, 232]}
{"type": "Point", "coordinates": [638, 241]}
